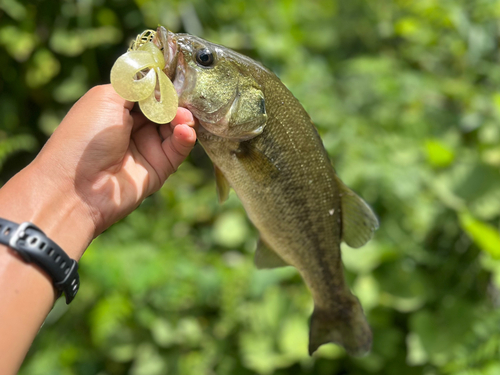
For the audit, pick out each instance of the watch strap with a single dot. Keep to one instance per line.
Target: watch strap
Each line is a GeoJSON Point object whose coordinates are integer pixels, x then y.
{"type": "Point", "coordinates": [31, 243]}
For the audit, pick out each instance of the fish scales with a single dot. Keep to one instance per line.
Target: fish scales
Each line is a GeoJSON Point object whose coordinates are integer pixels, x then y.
{"type": "Point", "coordinates": [299, 191]}
{"type": "Point", "coordinates": [263, 144]}
{"type": "Point", "coordinates": [291, 210]}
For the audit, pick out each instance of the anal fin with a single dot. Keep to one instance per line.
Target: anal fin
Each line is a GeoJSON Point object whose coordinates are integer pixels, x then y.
{"type": "Point", "coordinates": [267, 258]}
{"type": "Point", "coordinates": [358, 220]}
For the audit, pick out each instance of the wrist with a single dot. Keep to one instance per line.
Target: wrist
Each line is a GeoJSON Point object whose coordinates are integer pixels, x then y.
{"type": "Point", "coordinates": [50, 202]}
{"type": "Point", "coordinates": [27, 291]}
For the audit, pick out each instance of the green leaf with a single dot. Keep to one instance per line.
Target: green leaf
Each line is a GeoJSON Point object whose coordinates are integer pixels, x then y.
{"type": "Point", "coordinates": [14, 9]}
{"type": "Point", "coordinates": [11, 145]}
{"type": "Point", "coordinates": [294, 330]}
{"type": "Point", "coordinates": [19, 43]}
{"type": "Point", "coordinates": [73, 87]}
{"type": "Point", "coordinates": [148, 361]}
{"type": "Point", "coordinates": [44, 67]}
{"type": "Point", "coordinates": [483, 234]}
{"type": "Point", "coordinates": [439, 155]}
{"type": "Point", "coordinates": [108, 317]}
{"type": "Point", "coordinates": [231, 229]}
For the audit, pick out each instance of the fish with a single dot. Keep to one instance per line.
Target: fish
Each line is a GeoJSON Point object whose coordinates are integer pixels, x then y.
{"type": "Point", "coordinates": [265, 147]}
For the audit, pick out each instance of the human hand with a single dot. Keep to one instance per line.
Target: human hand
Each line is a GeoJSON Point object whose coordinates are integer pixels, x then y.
{"type": "Point", "coordinates": [113, 157]}
{"type": "Point", "coordinates": [101, 162]}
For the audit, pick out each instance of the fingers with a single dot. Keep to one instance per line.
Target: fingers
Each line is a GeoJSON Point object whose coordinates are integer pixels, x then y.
{"type": "Point", "coordinates": [165, 131]}
{"type": "Point", "coordinates": [178, 145]}
{"type": "Point", "coordinates": [183, 116]}
{"type": "Point", "coordinates": [139, 121]}
{"type": "Point", "coordinates": [164, 148]}
{"type": "Point", "coordinates": [148, 144]}
{"type": "Point", "coordinates": [178, 137]}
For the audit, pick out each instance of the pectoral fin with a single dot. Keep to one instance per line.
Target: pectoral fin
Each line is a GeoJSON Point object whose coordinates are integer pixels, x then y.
{"type": "Point", "coordinates": [358, 220]}
{"type": "Point", "coordinates": [222, 185]}
{"type": "Point", "coordinates": [254, 159]}
{"type": "Point", "coordinates": [267, 258]}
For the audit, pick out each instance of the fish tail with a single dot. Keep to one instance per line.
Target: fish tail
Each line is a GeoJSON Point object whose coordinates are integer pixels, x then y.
{"type": "Point", "coordinates": [345, 326]}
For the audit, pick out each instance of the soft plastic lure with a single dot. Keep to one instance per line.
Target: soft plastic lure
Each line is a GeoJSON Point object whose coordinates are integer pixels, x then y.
{"type": "Point", "coordinates": [138, 76]}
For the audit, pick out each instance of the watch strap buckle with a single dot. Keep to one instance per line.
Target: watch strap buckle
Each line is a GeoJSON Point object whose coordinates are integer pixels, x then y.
{"type": "Point", "coordinates": [20, 234]}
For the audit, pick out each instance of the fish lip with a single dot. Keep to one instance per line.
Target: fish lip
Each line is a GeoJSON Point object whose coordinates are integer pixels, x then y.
{"type": "Point", "coordinates": [164, 39]}
{"type": "Point", "coordinates": [180, 75]}
{"type": "Point", "coordinates": [174, 60]}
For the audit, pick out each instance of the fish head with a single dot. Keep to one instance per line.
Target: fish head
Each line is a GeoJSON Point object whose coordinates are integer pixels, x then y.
{"type": "Point", "coordinates": [216, 84]}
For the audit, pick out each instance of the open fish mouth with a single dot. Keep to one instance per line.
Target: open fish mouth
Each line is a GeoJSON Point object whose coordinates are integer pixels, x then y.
{"type": "Point", "coordinates": [174, 62]}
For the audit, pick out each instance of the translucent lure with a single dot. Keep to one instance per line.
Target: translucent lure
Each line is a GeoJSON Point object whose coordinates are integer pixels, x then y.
{"type": "Point", "coordinates": [138, 76]}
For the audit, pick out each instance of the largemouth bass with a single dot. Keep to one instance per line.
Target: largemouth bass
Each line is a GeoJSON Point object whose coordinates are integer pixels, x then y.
{"type": "Point", "coordinates": [263, 144]}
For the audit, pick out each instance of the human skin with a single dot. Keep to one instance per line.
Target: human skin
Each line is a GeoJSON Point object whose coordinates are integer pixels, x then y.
{"type": "Point", "coordinates": [102, 161]}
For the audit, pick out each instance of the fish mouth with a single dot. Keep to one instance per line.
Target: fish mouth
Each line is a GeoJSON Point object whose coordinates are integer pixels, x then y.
{"type": "Point", "coordinates": [175, 69]}
{"type": "Point", "coordinates": [174, 61]}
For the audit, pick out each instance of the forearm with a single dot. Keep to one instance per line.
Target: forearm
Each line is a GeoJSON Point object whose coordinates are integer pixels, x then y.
{"type": "Point", "coordinates": [26, 292]}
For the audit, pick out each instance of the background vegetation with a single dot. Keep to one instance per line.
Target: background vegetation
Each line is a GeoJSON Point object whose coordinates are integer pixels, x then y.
{"type": "Point", "coordinates": [406, 95]}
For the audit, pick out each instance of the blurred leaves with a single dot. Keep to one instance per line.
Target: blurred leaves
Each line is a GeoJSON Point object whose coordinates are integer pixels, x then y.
{"type": "Point", "coordinates": [18, 43]}
{"type": "Point", "coordinates": [44, 67]}
{"type": "Point", "coordinates": [486, 236]}
{"type": "Point", "coordinates": [438, 154]}
{"type": "Point", "coordinates": [11, 145]}
{"type": "Point", "coordinates": [74, 42]}
{"type": "Point", "coordinates": [405, 96]}
{"type": "Point", "coordinates": [14, 9]}
{"type": "Point", "coordinates": [73, 87]}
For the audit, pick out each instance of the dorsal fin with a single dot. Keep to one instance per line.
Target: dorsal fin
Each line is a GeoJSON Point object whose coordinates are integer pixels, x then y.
{"type": "Point", "coordinates": [265, 257]}
{"type": "Point", "coordinates": [358, 220]}
{"type": "Point", "coordinates": [222, 185]}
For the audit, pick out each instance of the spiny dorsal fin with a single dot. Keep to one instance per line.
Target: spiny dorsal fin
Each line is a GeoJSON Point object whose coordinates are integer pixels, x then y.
{"type": "Point", "coordinates": [267, 258]}
{"type": "Point", "coordinates": [222, 185]}
{"type": "Point", "coordinates": [358, 220]}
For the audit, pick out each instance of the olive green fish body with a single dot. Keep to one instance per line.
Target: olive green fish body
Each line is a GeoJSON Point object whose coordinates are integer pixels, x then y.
{"type": "Point", "coordinates": [289, 190]}
{"type": "Point", "coordinates": [286, 183]}
{"type": "Point", "coordinates": [264, 145]}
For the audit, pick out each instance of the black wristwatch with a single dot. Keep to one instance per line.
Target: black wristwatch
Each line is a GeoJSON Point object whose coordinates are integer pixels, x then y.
{"type": "Point", "coordinates": [35, 247]}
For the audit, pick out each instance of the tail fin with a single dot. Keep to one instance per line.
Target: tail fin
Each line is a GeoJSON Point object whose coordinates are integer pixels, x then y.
{"type": "Point", "coordinates": [346, 326]}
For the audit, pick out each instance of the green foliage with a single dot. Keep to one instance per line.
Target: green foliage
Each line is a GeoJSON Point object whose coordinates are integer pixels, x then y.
{"type": "Point", "coordinates": [485, 235]}
{"type": "Point", "coordinates": [11, 145]}
{"type": "Point", "coordinates": [406, 97]}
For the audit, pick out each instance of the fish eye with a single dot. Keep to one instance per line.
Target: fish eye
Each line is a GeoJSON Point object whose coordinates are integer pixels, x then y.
{"type": "Point", "coordinates": [204, 57]}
